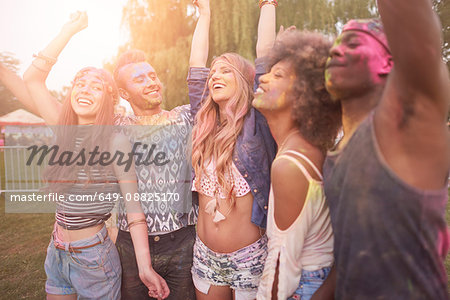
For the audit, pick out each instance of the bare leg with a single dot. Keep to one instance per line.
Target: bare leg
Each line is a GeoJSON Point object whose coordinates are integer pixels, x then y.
{"type": "Point", "coordinates": [215, 293]}
{"type": "Point", "coordinates": [61, 297]}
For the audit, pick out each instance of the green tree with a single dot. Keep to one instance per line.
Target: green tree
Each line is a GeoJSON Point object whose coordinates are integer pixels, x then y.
{"type": "Point", "coordinates": [307, 14]}
{"type": "Point", "coordinates": [233, 27]}
{"type": "Point", "coordinates": [442, 8]}
{"type": "Point", "coordinates": [344, 10]}
{"type": "Point", "coordinates": [163, 30]}
{"type": "Point", "coordinates": [8, 102]}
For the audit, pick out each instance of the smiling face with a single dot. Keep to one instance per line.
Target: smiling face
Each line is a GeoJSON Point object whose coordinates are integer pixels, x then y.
{"type": "Point", "coordinates": [272, 93]}
{"type": "Point", "coordinates": [357, 63]}
{"type": "Point", "coordinates": [222, 82]}
{"type": "Point", "coordinates": [87, 96]}
{"type": "Point", "coordinates": [143, 89]}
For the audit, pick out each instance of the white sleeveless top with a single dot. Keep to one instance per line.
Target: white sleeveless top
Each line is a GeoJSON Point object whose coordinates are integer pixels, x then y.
{"type": "Point", "coordinates": [307, 244]}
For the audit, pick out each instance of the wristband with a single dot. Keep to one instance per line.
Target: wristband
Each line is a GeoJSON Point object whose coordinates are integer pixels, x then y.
{"type": "Point", "coordinates": [48, 60]}
{"type": "Point", "coordinates": [33, 63]}
{"type": "Point", "coordinates": [264, 2]}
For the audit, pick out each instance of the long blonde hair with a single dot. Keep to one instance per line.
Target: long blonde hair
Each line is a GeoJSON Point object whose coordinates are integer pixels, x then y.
{"type": "Point", "coordinates": [216, 140]}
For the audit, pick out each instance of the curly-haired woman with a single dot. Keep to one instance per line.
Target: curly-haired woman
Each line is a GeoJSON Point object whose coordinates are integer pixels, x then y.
{"type": "Point", "coordinates": [304, 123]}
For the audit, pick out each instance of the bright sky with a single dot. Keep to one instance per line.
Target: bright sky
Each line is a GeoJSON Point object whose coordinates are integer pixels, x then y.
{"type": "Point", "coordinates": [27, 26]}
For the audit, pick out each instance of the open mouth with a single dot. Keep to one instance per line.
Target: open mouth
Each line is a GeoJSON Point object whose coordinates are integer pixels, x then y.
{"type": "Point", "coordinates": [84, 102]}
{"type": "Point", "coordinates": [153, 93]}
{"type": "Point", "coordinates": [259, 91]}
{"type": "Point", "coordinates": [334, 63]}
{"type": "Point", "coordinates": [218, 86]}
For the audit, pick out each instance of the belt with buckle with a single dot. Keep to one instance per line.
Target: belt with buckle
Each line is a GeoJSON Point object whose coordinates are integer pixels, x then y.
{"type": "Point", "coordinates": [76, 249]}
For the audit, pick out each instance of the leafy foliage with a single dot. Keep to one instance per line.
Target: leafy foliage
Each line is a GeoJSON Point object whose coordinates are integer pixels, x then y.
{"type": "Point", "coordinates": [163, 30]}
{"type": "Point", "coordinates": [8, 102]}
{"type": "Point", "coordinates": [442, 8]}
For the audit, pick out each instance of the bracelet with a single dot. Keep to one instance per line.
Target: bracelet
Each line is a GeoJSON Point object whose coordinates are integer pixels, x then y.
{"type": "Point", "coordinates": [136, 222]}
{"type": "Point", "coordinates": [48, 60]}
{"type": "Point", "coordinates": [264, 2]}
{"type": "Point", "coordinates": [33, 63]}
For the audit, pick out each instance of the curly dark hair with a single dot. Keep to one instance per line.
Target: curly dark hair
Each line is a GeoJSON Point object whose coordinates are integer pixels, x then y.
{"type": "Point", "coordinates": [315, 114]}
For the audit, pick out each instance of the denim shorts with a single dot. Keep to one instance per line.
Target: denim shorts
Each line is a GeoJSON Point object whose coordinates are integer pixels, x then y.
{"type": "Point", "coordinates": [241, 270]}
{"type": "Point", "coordinates": [309, 283]}
{"type": "Point", "coordinates": [93, 273]}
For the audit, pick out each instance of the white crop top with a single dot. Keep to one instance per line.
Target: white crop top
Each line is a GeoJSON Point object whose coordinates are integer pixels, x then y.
{"type": "Point", "coordinates": [210, 187]}
{"type": "Point", "coordinates": [307, 244]}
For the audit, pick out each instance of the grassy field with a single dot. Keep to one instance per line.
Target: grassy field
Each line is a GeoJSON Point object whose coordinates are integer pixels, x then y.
{"type": "Point", "coordinates": [23, 242]}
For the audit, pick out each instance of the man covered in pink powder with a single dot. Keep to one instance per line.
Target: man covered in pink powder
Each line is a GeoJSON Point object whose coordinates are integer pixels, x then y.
{"type": "Point", "coordinates": [386, 181]}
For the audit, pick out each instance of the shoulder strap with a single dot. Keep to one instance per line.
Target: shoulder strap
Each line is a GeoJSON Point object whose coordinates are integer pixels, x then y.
{"type": "Point", "coordinates": [305, 158]}
{"type": "Point", "coordinates": [298, 164]}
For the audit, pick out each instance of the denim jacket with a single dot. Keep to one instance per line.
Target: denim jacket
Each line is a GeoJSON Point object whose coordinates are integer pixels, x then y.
{"type": "Point", "coordinates": [255, 147]}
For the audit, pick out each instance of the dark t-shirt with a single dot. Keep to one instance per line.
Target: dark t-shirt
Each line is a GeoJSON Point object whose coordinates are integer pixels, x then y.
{"type": "Point", "coordinates": [390, 238]}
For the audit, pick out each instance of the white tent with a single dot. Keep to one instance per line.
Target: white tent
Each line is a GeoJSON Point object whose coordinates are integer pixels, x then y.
{"type": "Point", "coordinates": [20, 117]}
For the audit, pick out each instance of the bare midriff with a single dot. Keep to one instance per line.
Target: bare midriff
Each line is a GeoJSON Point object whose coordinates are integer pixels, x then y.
{"type": "Point", "coordinates": [66, 235]}
{"type": "Point", "coordinates": [236, 231]}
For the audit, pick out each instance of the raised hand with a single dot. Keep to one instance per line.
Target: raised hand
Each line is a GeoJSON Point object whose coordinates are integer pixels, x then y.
{"type": "Point", "coordinates": [35, 76]}
{"type": "Point", "coordinates": [78, 21]}
{"type": "Point", "coordinates": [203, 5]}
{"type": "Point", "coordinates": [282, 31]}
{"type": "Point", "coordinates": [200, 39]}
